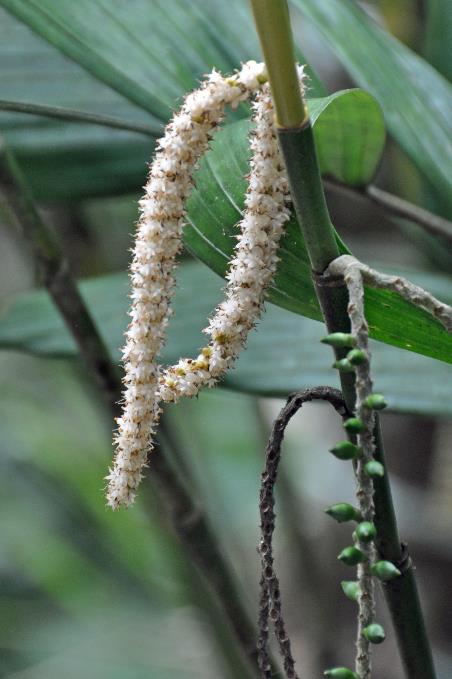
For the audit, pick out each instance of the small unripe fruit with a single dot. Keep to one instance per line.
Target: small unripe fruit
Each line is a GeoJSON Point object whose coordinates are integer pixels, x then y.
{"type": "Point", "coordinates": [385, 570]}
{"type": "Point", "coordinates": [343, 365]}
{"type": "Point", "coordinates": [340, 340]}
{"type": "Point", "coordinates": [351, 556]}
{"type": "Point", "coordinates": [340, 673]}
{"type": "Point", "coordinates": [375, 402]}
{"type": "Point", "coordinates": [354, 425]}
{"type": "Point", "coordinates": [365, 531]}
{"type": "Point", "coordinates": [345, 450]}
{"type": "Point", "coordinates": [343, 512]}
{"type": "Point", "coordinates": [374, 633]}
{"type": "Point", "coordinates": [374, 469]}
{"type": "Point", "coordinates": [350, 589]}
{"type": "Point", "coordinates": [357, 357]}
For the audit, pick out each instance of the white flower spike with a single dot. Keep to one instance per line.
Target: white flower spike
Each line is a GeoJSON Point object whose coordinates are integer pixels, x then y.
{"type": "Point", "coordinates": [159, 240]}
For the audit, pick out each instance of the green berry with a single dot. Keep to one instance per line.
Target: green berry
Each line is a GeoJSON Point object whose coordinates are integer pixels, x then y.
{"type": "Point", "coordinates": [357, 357]}
{"type": "Point", "coordinates": [340, 340]}
{"type": "Point", "coordinates": [385, 570]}
{"type": "Point", "coordinates": [343, 512]}
{"type": "Point", "coordinates": [374, 633]}
{"type": "Point", "coordinates": [375, 402]}
{"type": "Point", "coordinates": [351, 556]}
{"type": "Point", "coordinates": [374, 469]}
{"type": "Point", "coordinates": [340, 673]}
{"type": "Point", "coordinates": [354, 425]}
{"type": "Point", "coordinates": [350, 589]}
{"type": "Point", "coordinates": [345, 450]}
{"type": "Point", "coordinates": [343, 365]}
{"type": "Point", "coordinates": [365, 531]}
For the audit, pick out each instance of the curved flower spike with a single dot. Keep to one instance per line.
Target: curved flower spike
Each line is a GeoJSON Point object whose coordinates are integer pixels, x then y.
{"type": "Point", "coordinates": [251, 269]}
{"type": "Point", "coordinates": [159, 240]}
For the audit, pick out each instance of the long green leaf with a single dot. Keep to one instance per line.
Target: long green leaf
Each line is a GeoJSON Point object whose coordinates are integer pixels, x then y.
{"type": "Point", "coordinates": [65, 159]}
{"type": "Point", "coordinates": [214, 210]}
{"type": "Point", "coordinates": [150, 52]}
{"type": "Point", "coordinates": [141, 49]}
{"type": "Point", "coordinates": [438, 36]}
{"type": "Point", "coordinates": [415, 98]}
{"type": "Point", "coordinates": [283, 354]}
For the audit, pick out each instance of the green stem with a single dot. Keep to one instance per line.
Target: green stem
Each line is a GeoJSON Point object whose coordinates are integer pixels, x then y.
{"type": "Point", "coordinates": [304, 177]}
{"type": "Point", "coordinates": [275, 34]}
{"type": "Point", "coordinates": [299, 154]}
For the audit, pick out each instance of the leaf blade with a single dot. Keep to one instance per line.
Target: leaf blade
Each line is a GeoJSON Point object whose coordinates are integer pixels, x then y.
{"type": "Point", "coordinates": [210, 237]}
{"type": "Point", "coordinates": [406, 86]}
{"type": "Point", "coordinates": [128, 58]}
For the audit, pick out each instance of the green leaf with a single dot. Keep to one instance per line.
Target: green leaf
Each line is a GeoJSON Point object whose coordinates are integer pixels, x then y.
{"type": "Point", "coordinates": [350, 135]}
{"type": "Point", "coordinates": [416, 100]}
{"type": "Point", "coordinates": [97, 38]}
{"type": "Point", "coordinates": [349, 151]}
{"type": "Point", "coordinates": [214, 209]}
{"type": "Point", "coordinates": [149, 53]}
{"type": "Point", "coordinates": [438, 36]}
{"type": "Point", "coordinates": [215, 206]}
{"type": "Point", "coordinates": [283, 354]}
{"type": "Point", "coordinates": [67, 160]}
{"type": "Point", "coordinates": [64, 159]}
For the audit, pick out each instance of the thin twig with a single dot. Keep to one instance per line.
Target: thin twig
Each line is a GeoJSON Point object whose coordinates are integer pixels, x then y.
{"type": "Point", "coordinates": [270, 596]}
{"type": "Point", "coordinates": [433, 223]}
{"type": "Point", "coordinates": [55, 273]}
{"type": "Point", "coordinates": [76, 116]}
{"type": "Point", "coordinates": [189, 520]}
{"type": "Point", "coordinates": [306, 562]}
{"type": "Point", "coordinates": [398, 207]}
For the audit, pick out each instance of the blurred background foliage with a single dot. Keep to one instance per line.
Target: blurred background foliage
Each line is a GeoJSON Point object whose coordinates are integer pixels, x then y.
{"type": "Point", "coordinates": [83, 591]}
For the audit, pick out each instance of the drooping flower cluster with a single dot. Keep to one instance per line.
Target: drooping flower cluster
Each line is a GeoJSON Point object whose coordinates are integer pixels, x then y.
{"type": "Point", "coordinates": [251, 269]}
{"type": "Point", "coordinates": [159, 240]}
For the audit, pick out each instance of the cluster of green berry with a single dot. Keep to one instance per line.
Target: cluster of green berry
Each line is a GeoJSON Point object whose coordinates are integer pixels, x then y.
{"type": "Point", "coordinates": [365, 531]}
{"type": "Point", "coordinates": [364, 535]}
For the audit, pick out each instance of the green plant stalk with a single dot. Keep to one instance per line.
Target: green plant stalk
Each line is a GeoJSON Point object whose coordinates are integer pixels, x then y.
{"type": "Point", "coordinates": [296, 144]}
{"type": "Point", "coordinates": [298, 149]}
{"type": "Point", "coordinates": [275, 33]}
